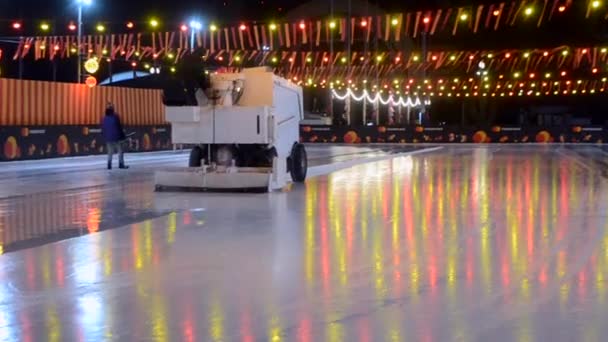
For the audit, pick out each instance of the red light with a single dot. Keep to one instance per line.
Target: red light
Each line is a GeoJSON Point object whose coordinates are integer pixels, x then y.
{"type": "Point", "coordinates": [546, 53]}
{"type": "Point", "coordinates": [56, 47]}
{"type": "Point", "coordinates": [17, 25]}
{"type": "Point", "coordinates": [508, 55]}
{"type": "Point", "coordinates": [532, 75]}
{"type": "Point", "coordinates": [220, 58]}
{"type": "Point", "coordinates": [426, 20]}
{"type": "Point", "coordinates": [325, 59]}
{"type": "Point", "coordinates": [397, 59]}
{"type": "Point", "coordinates": [184, 28]}
{"type": "Point", "coordinates": [435, 58]}
{"type": "Point", "coordinates": [594, 70]}
{"type": "Point", "coordinates": [496, 13]}
{"type": "Point", "coordinates": [72, 27]}
{"type": "Point", "coordinates": [302, 26]}
{"type": "Point", "coordinates": [584, 51]}
{"type": "Point", "coordinates": [134, 64]}
{"type": "Point", "coordinates": [130, 25]}
{"type": "Point", "coordinates": [471, 57]}
{"type": "Point", "coordinates": [363, 23]}
{"type": "Point", "coordinates": [561, 8]}
{"type": "Point", "coordinates": [563, 73]}
{"type": "Point", "coordinates": [242, 27]}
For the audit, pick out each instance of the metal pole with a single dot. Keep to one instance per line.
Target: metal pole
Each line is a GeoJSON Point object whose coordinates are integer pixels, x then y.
{"type": "Point", "coordinates": [364, 110]}
{"type": "Point", "coordinates": [79, 44]}
{"type": "Point", "coordinates": [191, 40]}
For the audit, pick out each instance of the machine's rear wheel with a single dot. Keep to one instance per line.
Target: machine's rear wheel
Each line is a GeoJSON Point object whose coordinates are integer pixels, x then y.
{"type": "Point", "coordinates": [196, 156]}
{"type": "Point", "coordinates": [299, 163]}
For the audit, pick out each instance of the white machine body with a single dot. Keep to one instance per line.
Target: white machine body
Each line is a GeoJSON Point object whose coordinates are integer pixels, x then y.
{"type": "Point", "coordinates": [251, 107]}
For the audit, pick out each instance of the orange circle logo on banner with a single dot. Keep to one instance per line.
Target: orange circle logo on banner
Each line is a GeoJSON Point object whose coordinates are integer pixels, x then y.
{"type": "Point", "coordinates": [91, 81]}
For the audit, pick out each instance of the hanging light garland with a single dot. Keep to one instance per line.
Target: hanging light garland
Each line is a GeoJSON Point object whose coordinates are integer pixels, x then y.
{"type": "Point", "coordinates": [401, 101]}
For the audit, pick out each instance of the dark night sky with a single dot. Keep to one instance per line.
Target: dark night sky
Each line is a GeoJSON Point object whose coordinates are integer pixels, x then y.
{"type": "Point", "coordinates": [175, 10]}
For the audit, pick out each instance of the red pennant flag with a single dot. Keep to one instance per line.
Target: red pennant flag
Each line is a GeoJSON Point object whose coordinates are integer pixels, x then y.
{"type": "Point", "coordinates": [257, 37]}
{"type": "Point", "coordinates": [436, 22]}
{"type": "Point", "coordinates": [227, 38]}
{"type": "Point", "coordinates": [477, 18]}
{"type": "Point", "coordinates": [19, 50]}
{"type": "Point", "coordinates": [233, 35]}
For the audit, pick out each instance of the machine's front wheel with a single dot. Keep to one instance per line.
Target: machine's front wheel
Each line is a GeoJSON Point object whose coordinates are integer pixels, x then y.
{"type": "Point", "coordinates": [196, 156]}
{"type": "Point", "coordinates": [299, 163]}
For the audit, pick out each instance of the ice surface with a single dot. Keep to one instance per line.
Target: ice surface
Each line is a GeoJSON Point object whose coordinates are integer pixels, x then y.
{"type": "Point", "coordinates": [466, 243]}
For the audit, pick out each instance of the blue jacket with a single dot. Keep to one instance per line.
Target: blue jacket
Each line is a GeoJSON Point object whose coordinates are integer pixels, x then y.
{"type": "Point", "coordinates": [111, 128]}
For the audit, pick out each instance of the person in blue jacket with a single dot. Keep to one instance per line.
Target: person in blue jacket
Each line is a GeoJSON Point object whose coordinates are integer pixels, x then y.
{"type": "Point", "coordinates": [114, 136]}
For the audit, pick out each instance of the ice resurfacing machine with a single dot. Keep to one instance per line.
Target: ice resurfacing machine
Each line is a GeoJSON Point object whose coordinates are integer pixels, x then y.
{"type": "Point", "coordinates": [245, 133]}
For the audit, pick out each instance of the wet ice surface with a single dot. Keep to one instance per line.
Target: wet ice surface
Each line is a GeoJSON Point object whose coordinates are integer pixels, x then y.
{"type": "Point", "coordinates": [51, 200]}
{"type": "Point", "coordinates": [467, 243]}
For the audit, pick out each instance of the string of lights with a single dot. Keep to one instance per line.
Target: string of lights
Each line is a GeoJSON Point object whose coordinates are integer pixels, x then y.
{"type": "Point", "coordinates": [377, 98]}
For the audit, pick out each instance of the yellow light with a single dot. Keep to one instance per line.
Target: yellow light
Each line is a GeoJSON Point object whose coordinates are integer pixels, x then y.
{"type": "Point", "coordinates": [170, 56]}
{"type": "Point", "coordinates": [332, 25]}
{"type": "Point", "coordinates": [273, 26]}
{"type": "Point", "coordinates": [548, 75]}
{"type": "Point", "coordinates": [596, 4]}
{"type": "Point", "coordinates": [274, 59]}
{"type": "Point", "coordinates": [237, 58]}
{"type": "Point", "coordinates": [529, 11]}
{"type": "Point", "coordinates": [415, 58]}
{"type": "Point", "coordinates": [395, 21]}
{"type": "Point", "coordinates": [44, 27]}
{"type": "Point", "coordinates": [91, 65]}
{"type": "Point", "coordinates": [343, 59]}
{"type": "Point", "coordinates": [490, 56]}
{"type": "Point", "coordinates": [308, 59]}
{"type": "Point", "coordinates": [464, 17]}
{"type": "Point", "coordinates": [154, 23]}
{"type": "Point", "coordinates": [565, 52]}
{"type": "Point", "coordinates": [526, 55]}
{"type": "Point", "coordinates": [213, 28]}
{"type": "Point", "coordinates": [100, 28]}
{"type": "Point", "coordinates": [516, 75]}
{"type": "Point", "coordinates": [104, 52]}
{"type": "Point", "coordinates": [73, 50]}
{"type": "Point", "coordinates": [379, 58]}
{"type": "Point", "coordinates": [173, 70]}
{"type": "Point", "coordinates": [452, 58]}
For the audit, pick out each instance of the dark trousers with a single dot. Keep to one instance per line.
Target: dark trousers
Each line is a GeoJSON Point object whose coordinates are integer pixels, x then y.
{"type": "Point", "coordinates": [115, 147]}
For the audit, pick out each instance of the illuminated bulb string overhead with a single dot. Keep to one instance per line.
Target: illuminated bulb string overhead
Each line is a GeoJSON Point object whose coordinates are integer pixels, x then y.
{"type": "Point", "coordinates": [404, 102]}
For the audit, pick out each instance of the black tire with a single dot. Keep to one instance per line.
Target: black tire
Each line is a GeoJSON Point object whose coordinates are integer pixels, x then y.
{"type": "Point", "coordinates": [196, 156]}
{"type": "Point", "coordinates": [299, 163]}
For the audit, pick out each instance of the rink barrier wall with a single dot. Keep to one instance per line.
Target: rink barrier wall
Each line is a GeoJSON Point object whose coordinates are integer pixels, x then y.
{"type": "Point", "coordinates": [38, 142]}
{"type": "Point", "coordinates": [445, 134]}
{"type": "Point", "coordinates": [40, 103]}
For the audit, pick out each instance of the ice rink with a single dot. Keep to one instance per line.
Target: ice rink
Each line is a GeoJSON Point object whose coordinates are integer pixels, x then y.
{"type": "Point", "coordinates": [464, 243]}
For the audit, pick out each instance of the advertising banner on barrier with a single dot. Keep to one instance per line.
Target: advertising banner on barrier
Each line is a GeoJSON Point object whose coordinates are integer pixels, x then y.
{"type": "Point", "coordinates": [37, 142]}
{"type": "Point", "coordinates": [447, 134]}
